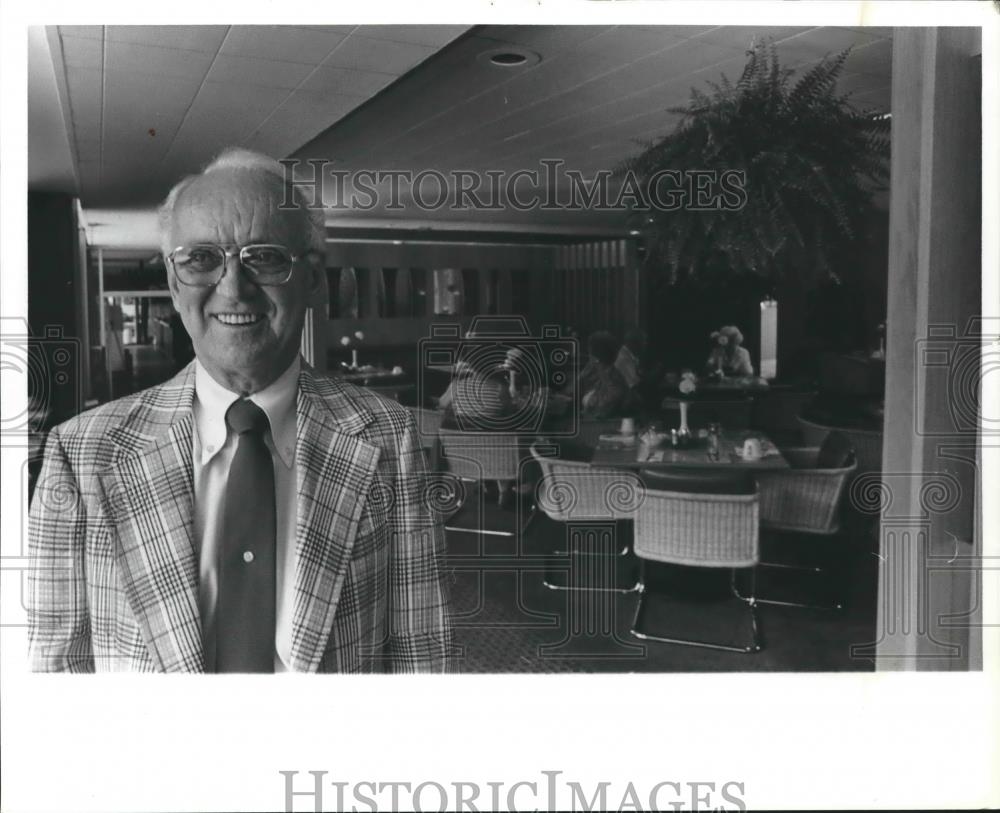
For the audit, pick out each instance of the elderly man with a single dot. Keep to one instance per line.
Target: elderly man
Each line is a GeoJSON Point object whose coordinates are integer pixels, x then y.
{"type": "Point", "coordinates": [248, 515]}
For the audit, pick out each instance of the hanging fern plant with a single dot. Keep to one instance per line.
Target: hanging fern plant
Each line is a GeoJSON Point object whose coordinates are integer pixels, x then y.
{"type": "Point", "coordinates": [809, 163]}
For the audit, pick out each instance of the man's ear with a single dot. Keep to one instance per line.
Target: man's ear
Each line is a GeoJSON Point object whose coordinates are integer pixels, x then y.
{"type": "Point", "coordinates": [317, 292]}
{"type": "Point", "coordinates": [173, 285]}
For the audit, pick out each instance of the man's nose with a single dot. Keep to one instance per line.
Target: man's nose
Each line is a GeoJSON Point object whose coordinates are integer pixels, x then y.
{"type": "Point", "coordinates": [235, 282]}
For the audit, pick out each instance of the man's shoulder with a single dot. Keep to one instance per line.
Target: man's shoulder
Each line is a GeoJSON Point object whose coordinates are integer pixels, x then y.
{"type": "Point", "coordinates": [384, 411]}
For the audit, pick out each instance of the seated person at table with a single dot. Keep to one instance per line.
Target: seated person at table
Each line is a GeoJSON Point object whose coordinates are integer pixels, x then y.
{"type": "Point", "coordinates": [477, 396]}
{"type": "Point", "coordinates": [629, 361]}
{"type": "Point", "coordinates": [603, 390]}
{"type": "Point", "coordinates": [475, 400]}
{"type": "Point", "coordinates": [727, 357]}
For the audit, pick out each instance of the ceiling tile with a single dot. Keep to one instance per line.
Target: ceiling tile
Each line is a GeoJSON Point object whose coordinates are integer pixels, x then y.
{"type": "Point", "coordinates": [281, 42]}
{"type": "Point", "coordinates": [596, 91]}
{"type": "Point", "coordinates": [385, 56]}
{"type": "Point", "coordinates": [547, 40]}
{"type": "Point", "coordinates": [227, 96]}
{"type": "Point", "coordinates": [738, 38]}
{"type": "Point", "coordinates": [822, 42]}
{"type": "Point", "coordinates": [420, 34]}
{"type": "Point", "coordinates": [90, 175]}
{"type": "Point", "coordinates": [301, 117]}
{"type": "Point", "coordinates": [173, 93]}
{"type": "Point", "coordinates": [861, 83]}
{"type": "Point", "coordinates": [875, 31]}
{"type": "Point", "coordinates": [82, 52]}
{"type": "Point", "coordinates": [89, 31]}
{"type": "Point", "coordinates": [877, 98]}
{"type": "Point", "coordinates": [188, 37]}
{"type": "Point", "coordinates": [333, 29]}
{"type": "Point", "coordinates": [330, 106]}
{"type": "Point", "coordinates": [208, 129]}
{"type": "Point", "coordinates": [260, 72]}
{"type": "Point", "coordinates": [875, 58]}
{"type": "Point", "coordinates": [84, 91]}
{"type": "Point", "coordinates": [129, 57]}
{"type": "Point", "coordinates": [346, 82]}
{"type": "Point", "coordinates": [88, 147]}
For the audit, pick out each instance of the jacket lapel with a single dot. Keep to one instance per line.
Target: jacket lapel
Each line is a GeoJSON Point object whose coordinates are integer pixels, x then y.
{"type": "Point", "coordinates": [149, 499]}
{"type": "Point", "coordinates": [335, 469]}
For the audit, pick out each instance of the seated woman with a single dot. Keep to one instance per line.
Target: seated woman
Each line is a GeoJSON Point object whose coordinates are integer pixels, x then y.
{"type": "Point", "coordinates": [603, 390]}
{"type": "Point", "coordinates": [476, 397]}
{"type": "Point", "coordinates": [727, 357]}
{"type": "Point", "coordinates": [475, 400]}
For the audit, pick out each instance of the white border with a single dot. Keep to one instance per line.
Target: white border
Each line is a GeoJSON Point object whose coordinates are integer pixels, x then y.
{"type": "Point", "coordinates": [144, 743]}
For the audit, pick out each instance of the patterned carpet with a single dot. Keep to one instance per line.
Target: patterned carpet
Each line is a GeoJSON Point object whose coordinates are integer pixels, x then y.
{"type": "Point", "coordinates": [507, 620]}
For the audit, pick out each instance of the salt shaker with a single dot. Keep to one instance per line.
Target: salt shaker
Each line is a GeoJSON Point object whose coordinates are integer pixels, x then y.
{"type": "Point", "coordinates": [713, 440]}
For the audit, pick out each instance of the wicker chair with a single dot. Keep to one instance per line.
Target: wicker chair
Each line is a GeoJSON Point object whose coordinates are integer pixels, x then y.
{"type": "Point", "coordinates": [574, 492]}
{"type": "Point", "coordinates": [698, 519]}
{"type": "Point", "coordinates": [481, 457]}
{"type": "Point", "coordinates": [803, 503]}
{"type": "Point", "coordinates": [867, 442]}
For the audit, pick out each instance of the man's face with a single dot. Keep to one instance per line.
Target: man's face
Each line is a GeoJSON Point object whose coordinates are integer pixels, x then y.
{"type": "Point", "coordinates": [245, 335]}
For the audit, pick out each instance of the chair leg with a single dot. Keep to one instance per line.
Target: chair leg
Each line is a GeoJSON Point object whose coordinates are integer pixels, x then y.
{"type": "Point", "coordinates": [477, 531]}
{"type": "Point", "coordinates": [812, 571]}
{"type": "Point", "coordinates": [615, 562]}
{"type": "Point", "coordinates": [754, 645]}
{"type": "Point", "coordinates": [635, 587]}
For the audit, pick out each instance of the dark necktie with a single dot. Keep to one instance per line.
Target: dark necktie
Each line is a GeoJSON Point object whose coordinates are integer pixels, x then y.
{"type": "Point", "coordinates": [245, 614]}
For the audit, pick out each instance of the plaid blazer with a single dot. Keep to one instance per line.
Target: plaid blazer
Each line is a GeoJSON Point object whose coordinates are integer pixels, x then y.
{"type": "Point", "coordinates": [113, 580]}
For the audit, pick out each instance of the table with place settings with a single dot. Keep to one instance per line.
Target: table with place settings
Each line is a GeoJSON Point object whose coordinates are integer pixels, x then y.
{"type": "Point", "coordinates": [618, 451]}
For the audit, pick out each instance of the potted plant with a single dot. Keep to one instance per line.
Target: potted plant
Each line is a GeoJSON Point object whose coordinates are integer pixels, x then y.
{"type": "Point", "coordinates": [809, 160]}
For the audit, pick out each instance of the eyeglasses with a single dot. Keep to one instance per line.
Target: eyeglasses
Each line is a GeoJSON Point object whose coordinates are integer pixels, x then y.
{"type": "Point", "coordinates": [204, 264]}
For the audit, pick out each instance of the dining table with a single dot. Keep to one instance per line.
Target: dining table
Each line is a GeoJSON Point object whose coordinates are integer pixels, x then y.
{"type": "Point", "coordinates": [629, 452]}
{"type": "Point", "coordinates": [713, 388]}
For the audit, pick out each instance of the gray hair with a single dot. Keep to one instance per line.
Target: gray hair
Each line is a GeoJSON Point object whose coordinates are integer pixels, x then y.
{"type": "Point", "coordinates": [240, 158]}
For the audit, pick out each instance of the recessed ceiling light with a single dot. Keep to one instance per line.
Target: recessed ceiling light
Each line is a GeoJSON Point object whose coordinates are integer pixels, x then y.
{"type": "Point", "coordinates": [509, 56]}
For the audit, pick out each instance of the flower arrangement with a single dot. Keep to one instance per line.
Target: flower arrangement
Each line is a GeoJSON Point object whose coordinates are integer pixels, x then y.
{"type": "Point", "coordinates": [689, 383]}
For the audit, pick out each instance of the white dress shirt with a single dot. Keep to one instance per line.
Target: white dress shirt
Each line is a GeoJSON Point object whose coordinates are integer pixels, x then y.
{"type": "Point", "coordinates": [214, 448]}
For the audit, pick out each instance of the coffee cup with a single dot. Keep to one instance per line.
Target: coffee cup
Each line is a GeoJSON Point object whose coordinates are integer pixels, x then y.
{"type": "Point", "coordinates": [751, 449]}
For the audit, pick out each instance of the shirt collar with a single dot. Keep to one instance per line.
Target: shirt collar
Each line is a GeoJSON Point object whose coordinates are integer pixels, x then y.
{"type": "Point", "coordinates": [278, 400]}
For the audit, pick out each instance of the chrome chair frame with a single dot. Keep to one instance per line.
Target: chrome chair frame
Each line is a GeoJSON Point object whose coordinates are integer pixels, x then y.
{"type": "Point", "coordinates": [499, 458]}
{"type": "Point", "coordinates": [803, 500]}
{"type": "Point", "coordinates": [703, 530]}
{"type": "Point", "coordinates": [571, 491]}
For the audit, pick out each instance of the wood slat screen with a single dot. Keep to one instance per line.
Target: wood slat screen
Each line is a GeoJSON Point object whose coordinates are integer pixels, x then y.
{"type": "Point", "coordinates": [589, 288]}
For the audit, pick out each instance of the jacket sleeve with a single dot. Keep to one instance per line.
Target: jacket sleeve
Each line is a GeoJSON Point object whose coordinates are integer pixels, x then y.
{"type": "Point", "coordinates": [56, 596]}
{"type": "Point", "coordinates": [420, 633]}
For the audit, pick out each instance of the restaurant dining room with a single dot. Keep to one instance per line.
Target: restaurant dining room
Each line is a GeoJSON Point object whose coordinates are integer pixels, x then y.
{"type": "Point", "coordinates": [686, 319]}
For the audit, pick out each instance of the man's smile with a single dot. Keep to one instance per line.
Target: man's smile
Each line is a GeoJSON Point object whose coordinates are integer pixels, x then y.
{"type": "Point", "coordinates": [238, 319]}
